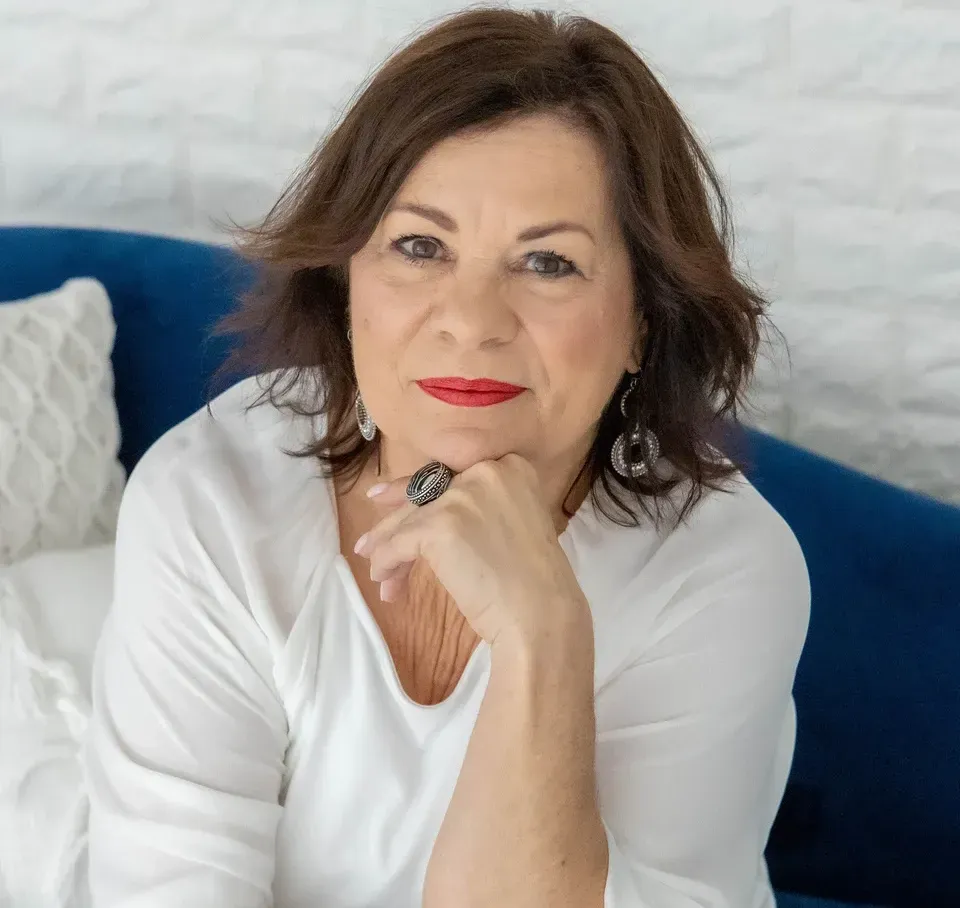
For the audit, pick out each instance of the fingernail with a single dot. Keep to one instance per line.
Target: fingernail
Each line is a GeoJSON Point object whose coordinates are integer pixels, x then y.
{"type": "Point", "coordinates": [378, 489]}
{"type": "Point", "coordinates": [361, 542]}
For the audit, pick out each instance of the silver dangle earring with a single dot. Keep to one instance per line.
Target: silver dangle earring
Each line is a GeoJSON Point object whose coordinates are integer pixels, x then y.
{"type": "Point", "coordinates": [637, 436]}
{"type": "Point", "coordinates": [368, 428]}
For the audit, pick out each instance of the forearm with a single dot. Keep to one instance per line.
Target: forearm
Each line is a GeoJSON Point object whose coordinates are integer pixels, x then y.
{"type": "Point", "coordinates": [523, 827]}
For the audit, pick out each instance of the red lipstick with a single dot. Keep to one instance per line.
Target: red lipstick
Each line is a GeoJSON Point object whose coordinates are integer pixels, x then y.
{"type": "Point", "coordinates": [470, 392]}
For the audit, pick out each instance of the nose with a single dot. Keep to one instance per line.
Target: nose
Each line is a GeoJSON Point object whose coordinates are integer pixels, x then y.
{"type": "Point", "coordinates": [475, 313]}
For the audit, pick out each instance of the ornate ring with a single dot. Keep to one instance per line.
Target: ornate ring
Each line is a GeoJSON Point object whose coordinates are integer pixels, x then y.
{"type": "Point", "coordinates": [428, 483]}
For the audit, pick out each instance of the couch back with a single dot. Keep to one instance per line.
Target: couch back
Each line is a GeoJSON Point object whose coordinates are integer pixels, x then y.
{"type": "Point", "coordinates": [166, 295]}
{"type": "Point", "coordinates": [872, 810]}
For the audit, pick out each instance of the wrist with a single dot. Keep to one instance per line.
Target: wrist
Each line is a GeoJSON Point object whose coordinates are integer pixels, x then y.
{"type": "Point", "coordinates": [563, 641]}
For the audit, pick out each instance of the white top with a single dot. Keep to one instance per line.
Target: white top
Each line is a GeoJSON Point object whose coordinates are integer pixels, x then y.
{"type": "Point", "coordinates": [252, 746]}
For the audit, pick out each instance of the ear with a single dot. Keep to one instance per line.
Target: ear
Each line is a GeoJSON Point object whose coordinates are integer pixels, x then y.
{"type": "Point", "coordinates": [639, 344]}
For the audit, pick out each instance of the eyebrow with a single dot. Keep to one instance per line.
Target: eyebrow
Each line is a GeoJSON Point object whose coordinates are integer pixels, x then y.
{"type": "Point", "coordinates": [538, 231]}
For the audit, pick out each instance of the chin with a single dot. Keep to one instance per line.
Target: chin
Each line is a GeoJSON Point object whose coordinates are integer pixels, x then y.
{"type": "Point", "coordinates": [462, 448]}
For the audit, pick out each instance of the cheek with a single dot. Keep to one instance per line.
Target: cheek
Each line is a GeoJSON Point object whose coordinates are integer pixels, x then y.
{"type": "Point", "coordinates": [594, 342]}
{"type": "Point", "coordinates": [383, 308]}
{"type": "Point", "coordinates": [587, 357]}
{"type": "Point", "coordinates": [386, 316]}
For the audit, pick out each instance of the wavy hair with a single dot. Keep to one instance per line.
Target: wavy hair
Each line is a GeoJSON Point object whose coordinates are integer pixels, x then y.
{"type": "Point", "coordinates": [477, 70]}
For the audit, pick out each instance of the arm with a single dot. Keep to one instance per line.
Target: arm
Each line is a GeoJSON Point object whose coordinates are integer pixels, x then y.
{"type": "Point", "coordinates": [694, 739]}
{"type": "Point", "coordinates": [185, 750]}
{"type": "Point", "coordinates": [523, 827]}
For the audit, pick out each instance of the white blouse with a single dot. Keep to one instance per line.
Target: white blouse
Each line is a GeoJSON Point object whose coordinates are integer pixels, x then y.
{"type": "Point", "coordinates": [251, 744]}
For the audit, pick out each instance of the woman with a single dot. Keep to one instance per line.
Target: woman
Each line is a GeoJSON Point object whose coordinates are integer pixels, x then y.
{"type": "Point", "coordinates": [458, 604]}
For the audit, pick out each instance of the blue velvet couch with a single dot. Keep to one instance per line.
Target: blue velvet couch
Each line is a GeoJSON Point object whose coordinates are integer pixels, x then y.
{"type": "Point", "coordinates": [872, 812]}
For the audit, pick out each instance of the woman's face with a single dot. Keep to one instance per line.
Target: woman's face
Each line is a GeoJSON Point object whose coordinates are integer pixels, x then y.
{"type": "Point", "coordinates": [499, 258]}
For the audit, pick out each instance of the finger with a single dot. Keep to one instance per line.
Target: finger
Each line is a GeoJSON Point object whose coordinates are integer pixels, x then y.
{"type": "Point", "coordinates": [400, 572]}
{"type": "Point", "coordinates": [390, 494]}
{"type": "Point", "coordinates": [402, 547]}
{"type": "Point", "coordinates": [391, 589]}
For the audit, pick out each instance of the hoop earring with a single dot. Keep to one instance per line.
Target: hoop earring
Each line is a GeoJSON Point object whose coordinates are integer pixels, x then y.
{"type": "Point", "coordinates": [368, 428]}
{"type": "Point", "coordinates": [636, 437]}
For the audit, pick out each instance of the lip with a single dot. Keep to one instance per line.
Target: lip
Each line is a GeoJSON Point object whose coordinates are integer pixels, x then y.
{"type": "Point", "coordinates": [470, 392]}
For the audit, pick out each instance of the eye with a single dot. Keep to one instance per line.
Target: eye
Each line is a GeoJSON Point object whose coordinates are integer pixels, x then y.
{"type": "Point", "coordinates": [551, 264]}
{"type": "Point", "coordinates": [416, 249]}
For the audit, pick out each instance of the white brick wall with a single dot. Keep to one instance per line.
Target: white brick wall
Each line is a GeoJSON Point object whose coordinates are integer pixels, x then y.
{"type": "Point", "coordinates": [835, 122]}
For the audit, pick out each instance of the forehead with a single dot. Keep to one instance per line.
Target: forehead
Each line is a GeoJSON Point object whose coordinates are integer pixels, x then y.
{"type": "Point", "coordinates": [537, 162]}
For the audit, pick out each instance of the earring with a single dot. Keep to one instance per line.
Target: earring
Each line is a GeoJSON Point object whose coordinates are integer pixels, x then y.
{"type": "Point", "coordinates": [368, 428]}
{"type": "Point", "coordinates": [625, 443]}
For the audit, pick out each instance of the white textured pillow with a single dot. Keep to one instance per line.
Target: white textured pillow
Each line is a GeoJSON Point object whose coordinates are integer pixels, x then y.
{"type": "Point", "coordinates": [60, 481]}
{"type": "Point", "coordinates": [52, 608]}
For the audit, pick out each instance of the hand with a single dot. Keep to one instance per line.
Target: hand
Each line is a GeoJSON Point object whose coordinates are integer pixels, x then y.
{"type": "Point", "coordinates": [490, 540]}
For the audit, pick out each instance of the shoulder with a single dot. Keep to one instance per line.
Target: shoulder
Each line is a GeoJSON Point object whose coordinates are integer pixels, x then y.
{"type": "Point", "coordinates": [223, 496]}
{"type": "Point", "coordinates": [732, 534]}
{"type": "Point", "coordinates": [229, 428]}
{"type": "Point", "coordinates": [737, 526]}
{"type": "Point", "coordinates": [743, 581]}
{"type": "Point", "coordinates": [218, 505]}
{"type": "Point", "coordinates": [731, 578]}
{"type": "Point", "coordinates": [234, 452]}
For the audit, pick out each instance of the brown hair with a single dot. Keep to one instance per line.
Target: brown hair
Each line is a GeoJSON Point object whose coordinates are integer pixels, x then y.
{"type": "Point", "coordinates": [476, 70]}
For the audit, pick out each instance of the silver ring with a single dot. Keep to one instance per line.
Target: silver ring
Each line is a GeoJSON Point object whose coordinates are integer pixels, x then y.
{"type": "Point", "coordinates": [428, 483]}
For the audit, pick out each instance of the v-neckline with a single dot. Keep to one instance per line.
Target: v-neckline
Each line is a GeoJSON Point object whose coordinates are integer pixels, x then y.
{"type": "Point", "coordinates": [478, 659]}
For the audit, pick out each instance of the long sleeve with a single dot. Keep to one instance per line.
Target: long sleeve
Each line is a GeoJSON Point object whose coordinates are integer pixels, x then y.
{"type": "Point", "coordinates": [184, 759]}
{"type": "Point", "coordinates": [696, 733]}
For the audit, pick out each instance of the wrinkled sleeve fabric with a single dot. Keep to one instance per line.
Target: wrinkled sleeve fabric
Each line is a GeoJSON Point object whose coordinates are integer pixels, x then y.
{"type": "Point", "coordinates": [184, 757]}
{"type": "Point", "coordinates": [696, 733]}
